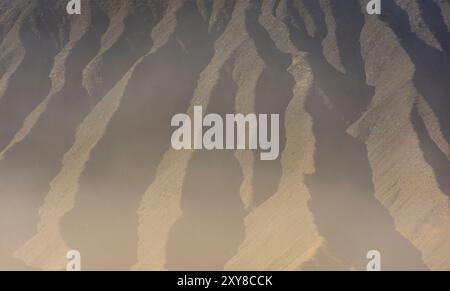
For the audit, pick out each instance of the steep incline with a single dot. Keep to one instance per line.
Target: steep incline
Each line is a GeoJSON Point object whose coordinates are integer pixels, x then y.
{"type": "Point", "coordinates": [85, 156]}
{"type": "Point", "coordinates": [123, 163]}
{"type": "Point", "coordinates": [115, 55]}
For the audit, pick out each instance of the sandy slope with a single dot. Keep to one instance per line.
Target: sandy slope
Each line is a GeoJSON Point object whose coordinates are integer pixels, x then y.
{"type": "Point", "coordinates": [365, 138]}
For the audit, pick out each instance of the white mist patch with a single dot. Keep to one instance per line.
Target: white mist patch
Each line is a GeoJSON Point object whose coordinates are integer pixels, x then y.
{"type": "Point", "coordinates": [237, 131]}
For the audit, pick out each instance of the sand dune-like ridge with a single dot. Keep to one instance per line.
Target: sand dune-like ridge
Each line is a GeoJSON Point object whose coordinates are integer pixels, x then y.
{"type": "Point", "coordinates": [85, 155]}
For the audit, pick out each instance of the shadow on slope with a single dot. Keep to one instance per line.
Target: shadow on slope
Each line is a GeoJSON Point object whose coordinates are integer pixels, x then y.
{"type": "Point", "coordinates": [41, 38]}
{"type": "Point", "coordinates": [432, 153]}
{"type": "Point", "coordinates": [26, 170]}
{"type": "Point", "coordinates": [212, 225]}
{"type": "Point", "coordinates": [103, 223]}
{"type": "Point", "coordinates": [432, 72]}
{"type": "Point", "coordinates": [345, 209]}
{"type": "Point", "coordinates": [273, 93]}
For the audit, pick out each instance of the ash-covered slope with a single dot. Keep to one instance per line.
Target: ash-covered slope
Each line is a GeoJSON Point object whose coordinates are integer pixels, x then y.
{"type": "Point", "coordinates": [86, 161]}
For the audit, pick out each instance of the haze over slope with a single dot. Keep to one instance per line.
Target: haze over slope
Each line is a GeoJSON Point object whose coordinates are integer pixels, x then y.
{"type": "Point", "coordinates": [86, 162]}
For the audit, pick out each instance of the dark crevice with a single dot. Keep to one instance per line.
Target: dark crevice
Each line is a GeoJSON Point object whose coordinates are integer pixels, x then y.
{"type": "Point", "coordinates": [273, 93]}
{"type": "Point", "coordinates": [432, 153]}
{"type": "Point", "coordinates": [318, 17]}
{"type": "Point", "coordinates": [432, 66]}
{"type": "Point", "coordinates": [347, 36]}
{"type": "Point", "coordinates": [222, 19]}
{"type": "Point", "coordinates": [345, 210]}
{"type": "Point", "coordinates": [132, 44]}
{"type": "Point", "coordinates": [275, 6]}
{"type": "Point", "coordinates": [212, 225]}
{"type": "Point", "coordinates": [209, 7]}
{"type": "Point", "coordinates": [123, 164]}
{"type": "Point", "coordinates": [26, 170]}
{"type": "Point", "coordinates": [432, 15]}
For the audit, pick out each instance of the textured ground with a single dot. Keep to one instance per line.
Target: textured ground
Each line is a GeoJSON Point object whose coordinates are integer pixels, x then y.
{"type": "Point", "coordinates": [85, 155]}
